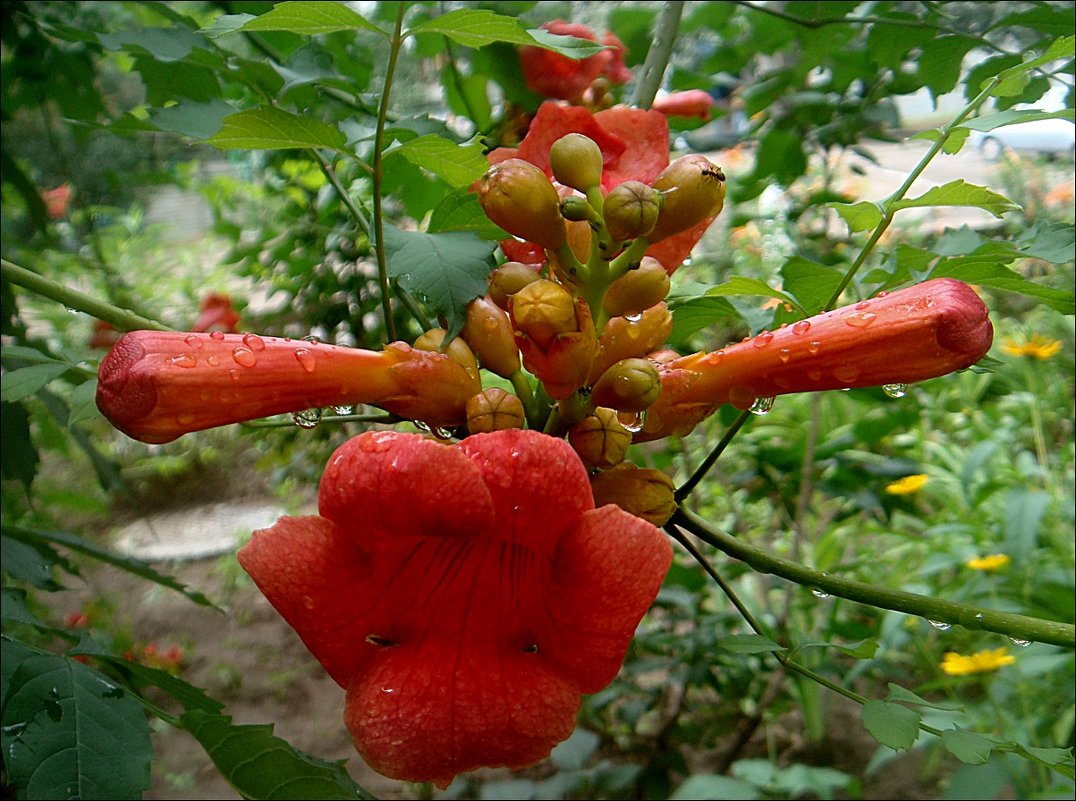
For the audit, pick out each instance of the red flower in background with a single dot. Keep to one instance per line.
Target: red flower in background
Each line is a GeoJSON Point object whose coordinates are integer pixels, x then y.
{"type": "Point", "coordinates": [465, 596]}
{"type": "Point", "coordinates": [635, 147]}
{"type": "Point", "coordinates": [217, 315]}
{"type": "Point", "coordinates": [56, 201]}
{"type": "Point", "coordinates": [553, 75]}
{"type": "Point", "coordinates": [689, 103]}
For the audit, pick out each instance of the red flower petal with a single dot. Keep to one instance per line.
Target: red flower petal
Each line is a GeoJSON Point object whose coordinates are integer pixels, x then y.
{"type": "Point", "coordinates": [646, 135]}
{"type": "Point", "coordinates": [555, 120]}
{"type": "Point", "coordinates": [441, 640]}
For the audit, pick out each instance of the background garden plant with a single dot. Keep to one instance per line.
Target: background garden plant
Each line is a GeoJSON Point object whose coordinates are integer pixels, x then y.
{"type": "Point", "coordinates": [943, 515]}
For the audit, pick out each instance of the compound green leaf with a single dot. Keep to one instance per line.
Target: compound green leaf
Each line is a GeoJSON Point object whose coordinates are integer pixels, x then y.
{"type": "Point", "coordinates": [969, 747]}
{"type": "Point", "coordinates": [70, 732]}
{"type": "Point", "coordinates": [474, 27]}
{"type": "Point", "coordinates": [269, 128]}
{"type": "Point", "coordinates": [310, 18]}
{"type": "Point", "coordinates": [860, 216]}
{"type": "Point", "coordinates": [458, 165]}
{"type": "Point", "coordinates": [28, 380]}
{"type": "Point", "coordinates": [261, 765]}
{"type": "Point", "coordinates": [959, 193]}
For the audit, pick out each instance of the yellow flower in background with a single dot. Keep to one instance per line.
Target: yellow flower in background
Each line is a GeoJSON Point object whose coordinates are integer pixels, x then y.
{"type": "Point", "coordinates": [1035, 348]}
{"type": "Point", "coordinates": [954, 664]}
{"type": "Point", "coordinates": [992, 562]}
{"type": "Point", "coordinates": [907, 485]}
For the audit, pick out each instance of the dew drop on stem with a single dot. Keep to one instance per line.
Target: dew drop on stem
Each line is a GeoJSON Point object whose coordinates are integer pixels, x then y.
{"type": "Point", "coordinates": [307, 419]}
{"type": "Point", "coordinates": [940, 625]}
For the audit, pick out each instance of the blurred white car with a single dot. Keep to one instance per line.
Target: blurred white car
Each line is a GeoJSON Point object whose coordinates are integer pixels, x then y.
{"type": "Point", "coordinates": [1047, 137]}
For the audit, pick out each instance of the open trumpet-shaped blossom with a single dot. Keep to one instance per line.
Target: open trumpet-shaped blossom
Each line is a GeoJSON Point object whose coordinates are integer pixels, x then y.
{"type": "Point", "coordinates": [634, 146]}
{"type": "Point", "coordinates": [465, 596]}
{"type": "Point", "coordinates": [914, 334]}
{"type": "Point", "coordinates": [155, 386]}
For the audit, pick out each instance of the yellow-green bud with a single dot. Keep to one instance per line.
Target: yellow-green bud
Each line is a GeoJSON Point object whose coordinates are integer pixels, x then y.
{"type": "Point", "coordinates": [694, 190]}
{"type": "Point", "coordinates": [457, 350]}
{"type": "Point", "coordinates": [630, 385]}
{"type": "Point", "coordinates": [489, 333]}
{"type": "Point", "coordinates": [645, 493]}
{"type": "Point", "coordinates": [519, 198]}
{"type": "Point", "coordinates": [494, 409]}
{"type": "Point", "coordinates": [576, 161]}
{"type": "Point", "coordinates": [576, 209]}
{"type": "Point", "coordinates": [631, 209]}
{"type": "Point", "coordinates": [600, 439]}
{"type": "Point", "coordinates": [542, 310]}
{"type": "Point", "coordinates": [508, 279]}
{"type": "Point", "coordinates": [637, 290]}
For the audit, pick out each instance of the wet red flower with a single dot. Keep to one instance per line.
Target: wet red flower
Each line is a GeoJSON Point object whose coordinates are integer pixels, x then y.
{"type": "Point", "coordinates": [689, 103]}
{"type": "Point", "coordinates": [553, 75]}
{"type": "Point", "coordinates": [635, 147]}
{"type": "Point", "coordinates": [921, 332]}
{"type": "Point", "coordinates": [56, 201]}
{"type": "Point", "coordinates": [217, 314]}
{"type": "Point", "coordinates": [155, 386]}
{"type": "Point", "coordinates": [465, 596]}
{"type": "Point", "coordinates": [103, 336]}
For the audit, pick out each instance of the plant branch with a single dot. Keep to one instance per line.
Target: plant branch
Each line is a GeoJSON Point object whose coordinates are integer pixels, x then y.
{"type": "Point", "coordinates": [657, 58]}
{"type": "Point", "coordinates": [74, 299]}
{"type": "Point", "coordinates": [971, 617]}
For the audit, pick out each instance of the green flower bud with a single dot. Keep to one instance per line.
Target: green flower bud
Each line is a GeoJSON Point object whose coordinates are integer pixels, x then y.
{"type": "Point", "coordinates": [576, 209]}
{"type": "Point", "coordinates": [576, 161]}
{"type": "Point", "coordinates": [600, 439]}
{"type": "Point", "coordinates": [694, 190]}
{"type": "Point", "coordinates": [489, 333]}
{"type": "Point", "coordinates": [519, 198]}
{"type": "Point", "coordinates": [494, 409]}
{"type": "Point", "coordinates": [631, 209]}
{"type": "Point", "coordinates": [637, 290]}
{"type": "Point", "coordinates": [508, 279]}
{"type": "Point", "coordinates": [630, 385]}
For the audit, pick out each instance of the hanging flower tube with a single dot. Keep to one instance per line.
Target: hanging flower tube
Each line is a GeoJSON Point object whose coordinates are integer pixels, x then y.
{"type": "Point", "coordinates": [156, 386]}
{"type": "Point", "coordinates": [464, 596]}
{"type": "Point", "coordinates": [917, 333]}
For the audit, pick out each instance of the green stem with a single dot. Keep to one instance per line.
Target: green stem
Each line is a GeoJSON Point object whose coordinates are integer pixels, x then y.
{"type": "Point", "coordinates": [685, 489]}
{"type": "Point", "coordinates": [379, 138]}
{"type": "Point", "coordinates": [890, 211]}
{"type": "Point", "coordinates": [73, 299]}
{"type": "Point", "coordinates": [352, 207]}
{"type": "Point", "coordinates": [526, 396]}
{"type": "Point", "coordinates": [971, 617]}
{"type": "Point", "coordinates": [657, 58]}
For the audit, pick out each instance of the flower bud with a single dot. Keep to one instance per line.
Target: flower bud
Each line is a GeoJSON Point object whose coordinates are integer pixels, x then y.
{"type": "Point", "coordinates": [630, 385]}
{"type": "Point", "coordinates": [631, 210]}
{"type": "Point", "coordinates": [457, 350]}
{"type": "Point", "coordinates": [542, 310]}
{"type": "Point", "coordinates": [643, 492]}
{"type": "Point", "coordinates": [508, 279]}
{"type": "Point", "coordinates": [576, 161]}
{"type": "Point", "coordinates": [575, 208]}
{"type": "Point", "coordinates": [694, 190]}
{"type": "Point", "coordinates": [519, 198]}
{"type": "Point", "coordinates": [600, 439]}
{"type": "Point", "coordinates": [637, 290]}
{"type": "Point", "coordinates": [494, 409]}
{"type": "Point", "coordinates": [489, 333]}
{"type": "Point", "coordinates": [623, 338]}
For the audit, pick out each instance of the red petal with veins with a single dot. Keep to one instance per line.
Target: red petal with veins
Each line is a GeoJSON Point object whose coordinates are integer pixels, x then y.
{"type": "Point", "coordinates": [466, 596]}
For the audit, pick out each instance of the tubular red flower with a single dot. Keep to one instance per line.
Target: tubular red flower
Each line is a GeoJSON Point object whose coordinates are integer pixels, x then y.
{"type": "Point", "coordinates": [217, 314]}
{"type": "Point", "coordinates": [553, 75]}
{"type": "Point", "coordinates": [156, 386]}
{"type": "Point", "coordinates": [920, 332]}
{"type": "Point", "coordinates": [464, 596]}
{"type": "Point", "coordinates": [690, 103]}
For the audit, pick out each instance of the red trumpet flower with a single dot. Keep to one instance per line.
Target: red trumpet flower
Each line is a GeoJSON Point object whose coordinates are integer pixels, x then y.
{"type": "Point", "coordinates": [465, 596]}
{"type": "Point", "coordinates": [914, 334]}
{"type": "Point", "coordinates": [156, 386]}
{"type": "Point", "coordinates": [553, 75]}
{"type": "Point", "coordinates": [217, 314]}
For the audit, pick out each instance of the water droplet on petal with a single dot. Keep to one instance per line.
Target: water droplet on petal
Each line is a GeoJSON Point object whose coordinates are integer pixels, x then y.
{"type": "Point", "coordinates": [212, 361]}
{"type": "Point", "coordinates": [632, 421]}
{"type": "Point", "coordinates": [865, 304]}
{"type": "Point", "coordinates": [763, 339]}
{"type": "Point", "coordinates": [785, 354]}
{"type": "Point", "coordinates": [814, 375]}
{"type": "Point", "coordinates": [194, 341]}
{"type": "Point", "coordinates": [633, 318]}
{"type": "Point", "coordinates": [895, 390]}
{"type": "Point", "coordinates": [714, 358]}
{"type": "Point", "coordinates": [306, 359]}
{"type": "Point", "coordinates": [307, 419]}
{"type": "Point", "coordinates": [185, 360]}
{"type": "Point", "coordinates": [244, 357]}
{"type": "Point", "coordinates": [235, 375]}
{"type": "Point", "coordinates": [940, 625]}
{"type": "Point", "coordinates": [814, 347]}
{"type": "Point", "coordinates": [801, 328]}
{"type": "Point", "coordinates": [861, 320]}
{"type": "Point", "coordinates": [217, 335]}
{"type": "Point", "coordinates": [421, 426]}
{"type": "Point", "coordinates": [253, 341]}
{"type": "Point", "coordinates": [846, 373]}
{"type": "Point", "coordinates": [817, 593]}
{"type": "Point", "coordinates": [1019, 642]}
{"type": "Point", "coordinates": [761, 406]}
{"type": "Point", "coordinates": [881, 294]}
